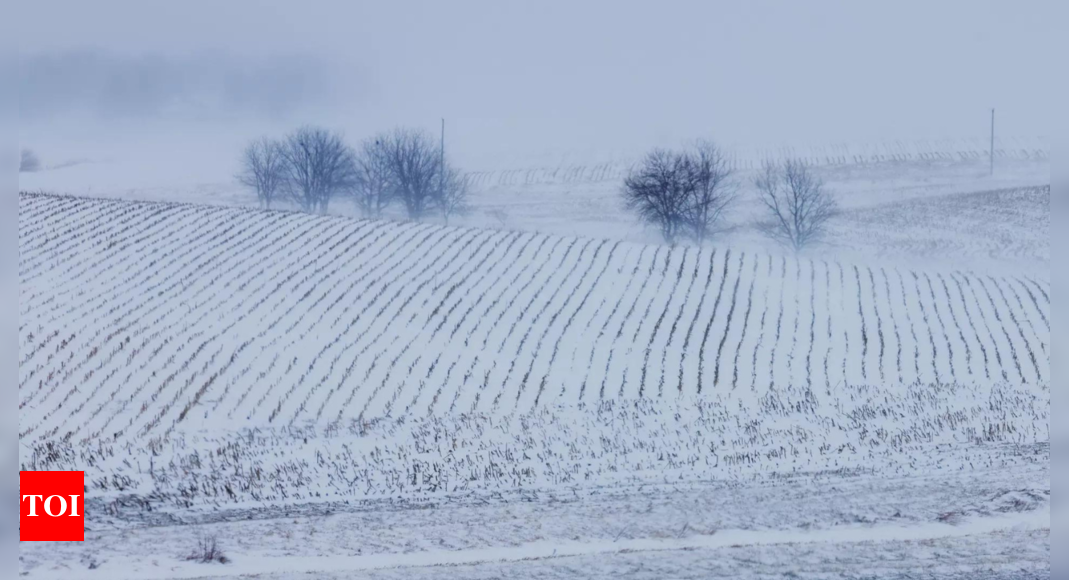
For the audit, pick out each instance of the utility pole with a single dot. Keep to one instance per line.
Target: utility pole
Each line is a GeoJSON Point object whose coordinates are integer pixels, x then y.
{"type": "Point", "coordinates": [441, 161]}
{"type": "Point", "coordinates": [992, 141]}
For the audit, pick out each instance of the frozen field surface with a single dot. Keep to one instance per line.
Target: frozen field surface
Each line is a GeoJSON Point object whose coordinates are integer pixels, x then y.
{"type": "Point", "coordinates": [140, 319]}
{"type": "Point", "coordinates": [932, 202]}
{"type": "Point", "coordinates": [983, 523]}
{"type": "Point", "coordinates": [339, 398]}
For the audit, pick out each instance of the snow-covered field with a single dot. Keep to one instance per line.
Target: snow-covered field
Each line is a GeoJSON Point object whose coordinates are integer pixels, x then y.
{"type": "Point", "coordinates": [928, 190]}
{"type": "Point", "coordinates": [980, 523]}
{"type": "Point", "coordinates": [333, 397]}
{"type": "Point", "coordinates": [139, 319]}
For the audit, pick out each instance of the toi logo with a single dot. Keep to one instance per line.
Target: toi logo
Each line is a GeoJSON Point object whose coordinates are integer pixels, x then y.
{"type": "Point", "coordinates": [52, 506]}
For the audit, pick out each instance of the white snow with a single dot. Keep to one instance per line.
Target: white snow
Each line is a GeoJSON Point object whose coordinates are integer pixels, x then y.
{"type": "Point", "coordinates": [136, 568]}
{"type": "Point", "coordinates": [338, 397]}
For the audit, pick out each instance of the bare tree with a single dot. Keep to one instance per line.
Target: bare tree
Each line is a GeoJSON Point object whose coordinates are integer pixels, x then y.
{"type": "Point", "coordinates": [713, 190]}
{"type": "Point", "coordinates": [683, 193]}
{"type": "Point", "coordinates": [797, 204]}
{"type": "Point", "coordinates": [373, 184]}
{"type": "Point", "coordinates": [415, 161]}
{"type": "Point", "coordinates": [29, 162]}
{"type": "Point", "coordinates": [319, 165]}
{"type": "Point", "coordinates": [658, 190]}
{"type": "Point", "coordinates": [451, 198]}
{"type": "Point", "coordinates": [263, 169]}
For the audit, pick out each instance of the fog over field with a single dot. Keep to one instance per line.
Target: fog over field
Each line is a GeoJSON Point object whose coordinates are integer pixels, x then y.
{"type": "Point", "coordinates": [465, 289]}
{"type": "Point", "coordinates": [170, 92]}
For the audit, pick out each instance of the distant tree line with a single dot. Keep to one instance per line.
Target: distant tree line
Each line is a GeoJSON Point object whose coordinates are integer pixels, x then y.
{"type": "Point", "coordinates": [313, 166]}
{"type": "Point", "coordinates": [686, 195]}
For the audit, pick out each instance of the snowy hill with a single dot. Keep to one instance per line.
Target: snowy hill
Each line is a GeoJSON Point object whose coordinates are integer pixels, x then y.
{"type": "Point", "coordinates": [140, 319]}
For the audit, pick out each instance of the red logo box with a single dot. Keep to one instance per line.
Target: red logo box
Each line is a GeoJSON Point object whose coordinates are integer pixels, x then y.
{"type": "Point", "coordinates": [52, 506]}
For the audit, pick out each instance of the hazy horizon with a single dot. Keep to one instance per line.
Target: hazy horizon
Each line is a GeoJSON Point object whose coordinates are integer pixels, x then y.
{"type": "Point", "coordinates": [523, 85]}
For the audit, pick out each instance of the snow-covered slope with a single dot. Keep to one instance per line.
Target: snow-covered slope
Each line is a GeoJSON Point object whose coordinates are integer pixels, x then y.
{"type": "Point", "coordinates": [139, 319]}
{"type": "Point", "coordinates": [743, 158]}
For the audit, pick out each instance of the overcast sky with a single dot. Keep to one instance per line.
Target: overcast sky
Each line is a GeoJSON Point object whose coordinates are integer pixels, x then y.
{"type": "Point", "coordinates": [526, 81]}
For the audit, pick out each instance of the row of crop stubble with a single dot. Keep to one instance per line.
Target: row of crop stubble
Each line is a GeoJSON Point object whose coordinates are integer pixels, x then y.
{"type": "Point", "coordinates": [139, 318]}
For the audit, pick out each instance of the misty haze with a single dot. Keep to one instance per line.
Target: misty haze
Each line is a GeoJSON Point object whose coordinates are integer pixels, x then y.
{"type": "Point", "coordinates": [538, 290]}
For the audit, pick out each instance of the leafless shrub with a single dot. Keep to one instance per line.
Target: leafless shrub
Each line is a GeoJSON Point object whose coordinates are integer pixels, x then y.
{"type": "Point", "coordinates": [263, 169]}
{"type": "Point", "coordinates": [500, 216]}
{"type": "Point", "coordinates": [798, 206]}
{"type": "Point", "coordinates": [207, 551]}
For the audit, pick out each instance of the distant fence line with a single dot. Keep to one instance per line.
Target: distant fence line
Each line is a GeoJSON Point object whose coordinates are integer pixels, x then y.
{"type": "Point", "coordinates": [818, 156]}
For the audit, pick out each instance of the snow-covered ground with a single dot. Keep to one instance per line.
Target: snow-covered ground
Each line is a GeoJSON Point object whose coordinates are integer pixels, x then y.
{"type": "Point", "coordinates": [554, 397]}
{"type": "Point", "coordinates": [990, 522]}
{"type": "Point", "coordinates": [140, 319]}
{"type": "Point", "coordinates": [877, 185]}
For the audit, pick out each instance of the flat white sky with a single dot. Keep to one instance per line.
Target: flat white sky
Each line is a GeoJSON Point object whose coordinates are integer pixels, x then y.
{"type": "Point", "coordinates": [528, 83]}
